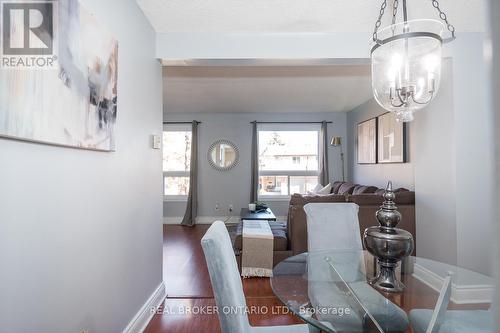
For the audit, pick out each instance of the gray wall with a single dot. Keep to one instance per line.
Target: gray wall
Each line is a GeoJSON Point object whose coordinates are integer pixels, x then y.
{"type": "Point", "coordinates": [473, 144]}
{"type": "Point", "coordinates": [233, 187]}
{"type": "Point", "coordinates": [454, 154]}
{"type": "Point", "coordinates": [495, 14]}
{"type": "Point", "coordinates": [81, 231]}
{"type": "Point", "coordinates": [450, 161]}
{"type": "Point", "coordinates": [430, 170]}
{"type": "Point", "coordinates": [435, 177]}
{"type": "Point", "coordinates": [401, 174]}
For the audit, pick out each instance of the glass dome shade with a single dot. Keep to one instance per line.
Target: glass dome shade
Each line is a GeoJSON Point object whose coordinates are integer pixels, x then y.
{"type": "Point", "coordinates": [406, 66]}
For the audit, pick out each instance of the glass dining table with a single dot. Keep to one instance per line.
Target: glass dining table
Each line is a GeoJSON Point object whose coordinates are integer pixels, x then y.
{"type": "Point", "coordinates": [330, 290]}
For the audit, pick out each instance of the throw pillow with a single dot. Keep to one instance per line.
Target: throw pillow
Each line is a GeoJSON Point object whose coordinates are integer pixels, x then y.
{"type": "Point", "coordinates": [325, 190]}
{"type": "Point", "coordinates": [358, 189]}
{"type": "Point", "coordinates": [315, 189]}
{"type": "Point", "coordinates": [336, 187]}
{"type": "Point", "coordinates": [361, 189]}
{"type": "Point", "coordinates": [347, 188]}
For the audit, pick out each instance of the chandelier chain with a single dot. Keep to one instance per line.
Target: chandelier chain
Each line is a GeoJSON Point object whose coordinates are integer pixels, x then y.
{"type": "Point", "coordinates": [394, 11]}
{"type": "Point", "coordinates": [379, 21]}
{"type": "Point", "coordinates": [444, 17]}
{"type": "Point", "coordinates": [395, 6]}
{"type": "Point", "coordinates": [435, 4]}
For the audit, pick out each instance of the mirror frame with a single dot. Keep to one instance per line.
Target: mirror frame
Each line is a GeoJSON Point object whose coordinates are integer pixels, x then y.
{"type": "Point", "coordinates": [236, 155]}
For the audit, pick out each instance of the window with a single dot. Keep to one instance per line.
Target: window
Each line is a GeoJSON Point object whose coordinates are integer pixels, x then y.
{"type": "Point", "coordinates": [288, 160]}
{"type": "Point", "coordinates": [176, 160]}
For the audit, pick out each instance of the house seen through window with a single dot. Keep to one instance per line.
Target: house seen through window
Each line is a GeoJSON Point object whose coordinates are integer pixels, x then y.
{"type": "Point", "coordinates": [288, 161]}
{"type": "Point", "coordinates": [176, 160]}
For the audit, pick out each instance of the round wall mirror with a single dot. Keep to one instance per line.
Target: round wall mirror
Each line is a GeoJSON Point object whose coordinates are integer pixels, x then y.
{"type": "Point", "coordinates": [223, 155]}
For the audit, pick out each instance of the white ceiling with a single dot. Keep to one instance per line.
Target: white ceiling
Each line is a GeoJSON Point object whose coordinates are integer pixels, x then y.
{"type": "Point", "coordinates": [265, 88]}
{"type": "Point", "coordinates": [196, 87]}
{"type": "Point", "coordinates": [286, 16]}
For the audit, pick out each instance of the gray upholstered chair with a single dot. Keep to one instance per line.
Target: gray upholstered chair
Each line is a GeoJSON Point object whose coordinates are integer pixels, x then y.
{"type": "Point", "coordinates": [335, 226]}
{"type": "Point", "coordinates": [440, 320]}
{"type": "Point", "coordinates": [332, 226]}
{"type": "Point", "coordinates": [227, 286]}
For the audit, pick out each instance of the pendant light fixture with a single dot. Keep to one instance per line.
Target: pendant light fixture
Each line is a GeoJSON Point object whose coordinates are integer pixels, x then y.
{"type": "Point", "coordinates": [406, 60]}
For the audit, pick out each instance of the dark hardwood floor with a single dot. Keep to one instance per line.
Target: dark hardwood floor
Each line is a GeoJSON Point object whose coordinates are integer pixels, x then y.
{"type": "Point", "coordinates": [188, 285]}
{"type": "Point", "coordinates": [184, 268]}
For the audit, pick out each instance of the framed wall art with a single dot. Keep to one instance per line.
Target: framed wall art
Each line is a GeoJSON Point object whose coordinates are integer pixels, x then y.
{"type": "Point", "coordinates": [68, 95]}
{"type": "Point", "coordinates": [391, 139]}
{"type": "Point", "coordinates": [367, 142]}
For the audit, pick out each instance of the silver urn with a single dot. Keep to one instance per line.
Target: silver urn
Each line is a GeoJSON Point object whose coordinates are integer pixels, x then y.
{"type": "Point", "coordinates": [388, 244]}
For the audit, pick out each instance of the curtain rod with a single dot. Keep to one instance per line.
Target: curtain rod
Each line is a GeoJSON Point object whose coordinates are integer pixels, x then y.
{"type": "Point", "coordinates": [290, 122]}
{"type": "Point", "coordinates": [180, 122]}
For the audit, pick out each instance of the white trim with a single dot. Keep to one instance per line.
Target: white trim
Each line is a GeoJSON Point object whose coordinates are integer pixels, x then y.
{"type": "Point", "coordinates": [177, 127]}
{"type": "Point", "coordinates": [143, 316]}
{"type": "Point", "coordinates": [264, 62]}
{"type": "Point", "coordinates": [172, 220]}
{"type": "Point", "coordinates": [276, 198]}
{"type": "Point", "coordinates": [175, 198]}
{"type": "Point", "coordinates": [290, 173]}
{"type": "Point", "coordinates": [176, 220]}
{"type": "Point", "coordinates": [289, 127]}
{"type": "Point", "coordinates": [203, 219]}
{"type": "Point", "coordinates": [460, 294]}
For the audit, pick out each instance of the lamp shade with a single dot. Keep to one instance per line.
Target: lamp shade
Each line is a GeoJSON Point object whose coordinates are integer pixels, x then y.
{"type": "Point", "coordinates": [406, 66]}
{"type": "Point", "coordinates": [336, 141]}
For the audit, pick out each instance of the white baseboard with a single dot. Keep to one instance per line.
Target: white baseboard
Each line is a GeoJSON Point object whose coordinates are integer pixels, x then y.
{"type": "Point", "coordinates": [203, 219]}
{"type": "Point", "coordinates": [460, 294]}
{"type": "Point", "coordinates": [143, 316]}
{"type": "Point", "coordinates": [211, 219]}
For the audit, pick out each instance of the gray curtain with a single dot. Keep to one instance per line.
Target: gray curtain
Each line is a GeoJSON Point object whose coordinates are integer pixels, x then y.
{"type": "Point", "coordinates": [192, 203]}
{"type": "Point", "coordinates": [254, 164]}
{"type": "Point", "coordinates": [324, 177]}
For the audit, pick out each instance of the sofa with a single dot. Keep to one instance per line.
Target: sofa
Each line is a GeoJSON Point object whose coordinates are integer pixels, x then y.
{"type": "Point", "coordinates": [290, 238]}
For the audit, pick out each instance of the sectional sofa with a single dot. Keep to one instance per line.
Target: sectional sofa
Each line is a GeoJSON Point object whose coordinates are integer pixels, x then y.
{"type": "Point", "coordinates": [290, 238]}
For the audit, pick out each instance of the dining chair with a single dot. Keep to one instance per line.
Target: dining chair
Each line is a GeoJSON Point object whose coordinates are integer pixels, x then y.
{"type": "Point", "coordinates": [227, 286]}
{"type": "Point", "coordinates": [332, 226]}
{"type": "Point", "coordinates": [441, 320]}
{"type": "Point", "coordinates": [335, 226]}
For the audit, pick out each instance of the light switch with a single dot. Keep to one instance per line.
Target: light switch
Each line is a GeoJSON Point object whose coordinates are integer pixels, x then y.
{"type": "Point", "coordinates": [156, 142]}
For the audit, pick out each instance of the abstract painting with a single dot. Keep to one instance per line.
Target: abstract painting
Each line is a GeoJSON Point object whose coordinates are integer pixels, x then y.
{"type": "Point", "coordinates": [74, 102]}
{"type": "Point", "coordinates": [367, 142]}
{"type": "Point", "coordinates": [391, 139]}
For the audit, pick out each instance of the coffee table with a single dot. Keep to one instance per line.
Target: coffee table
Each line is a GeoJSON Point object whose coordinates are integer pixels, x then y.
{"type": "Point", "coordinates": [267, 215]}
